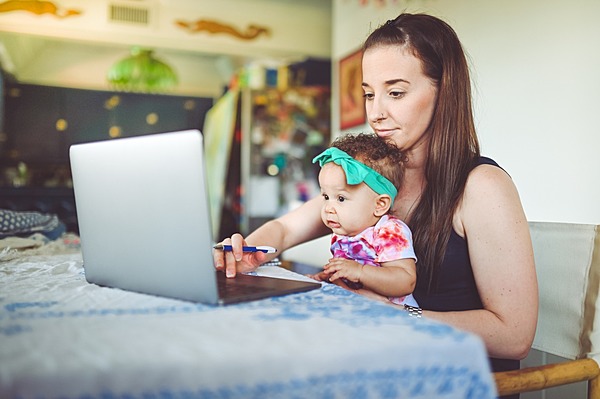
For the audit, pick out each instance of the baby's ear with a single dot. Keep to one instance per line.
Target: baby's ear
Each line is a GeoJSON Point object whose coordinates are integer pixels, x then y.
{"type": "Point", "coordinates": [383, 204]}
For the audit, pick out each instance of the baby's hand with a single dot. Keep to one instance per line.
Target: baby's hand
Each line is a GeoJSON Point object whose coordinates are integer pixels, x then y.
{"type": "Point", "coordinates": [346, 269]}
{"type": "Point", "coordinates": [321, 276]}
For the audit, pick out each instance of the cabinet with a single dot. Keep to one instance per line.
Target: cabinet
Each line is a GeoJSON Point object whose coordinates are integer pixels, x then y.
{"type": "Point", "coordinates": [32, 115]}
{"type": "Point", "coordinates": [86, 114]}
{"type": "Point", "coordinates": [131, 114]}
{"type": "Point", "coordinates": [42, 122]}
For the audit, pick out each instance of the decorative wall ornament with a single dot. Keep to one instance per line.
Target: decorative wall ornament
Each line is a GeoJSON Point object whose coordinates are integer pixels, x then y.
{"type": "Point", "coordinates": [377, 3]}
{"type": "Point", "coordinates": [142, 72]}
{"type": "Point", "coordinates": [37, 7]}
{"type": "Point", "coordinates": [382, 3]}
{"type": "Point", "coordinates": [352, 102]}
{"type": "Point", "coordinates": [251, 32]}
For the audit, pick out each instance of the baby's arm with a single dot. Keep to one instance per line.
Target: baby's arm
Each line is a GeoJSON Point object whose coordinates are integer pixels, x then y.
{"type": "Point", "coordinates": [393, 278]}
{"type": "Point", "coordinates": [397, 275]}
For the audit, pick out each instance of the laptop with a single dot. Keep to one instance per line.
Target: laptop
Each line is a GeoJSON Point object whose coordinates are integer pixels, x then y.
{"type": "Point", "coordinates": [144, 221]}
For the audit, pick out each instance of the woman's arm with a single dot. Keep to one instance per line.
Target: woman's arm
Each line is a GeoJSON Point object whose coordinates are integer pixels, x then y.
{"type": "Point", "coordinates": [491, 218]}
{"type": "Point", "coordinates": [293, 228]}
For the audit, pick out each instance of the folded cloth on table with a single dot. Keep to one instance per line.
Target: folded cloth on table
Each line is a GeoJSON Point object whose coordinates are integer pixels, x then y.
{"type": "Point", "coordinates": [21, 242]}
{"type": "Point", "coordinates": [20, 224]}
{"type": "Point", "coordinates": [37, 244]}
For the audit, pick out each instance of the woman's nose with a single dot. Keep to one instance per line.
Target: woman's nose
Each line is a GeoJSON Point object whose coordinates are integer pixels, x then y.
{"type": "Point", "coordinates": [376, 114]}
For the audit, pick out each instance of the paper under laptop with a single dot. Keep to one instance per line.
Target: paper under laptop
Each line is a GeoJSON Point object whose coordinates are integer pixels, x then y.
{"type": "Point", "coordinates": [144, 221]}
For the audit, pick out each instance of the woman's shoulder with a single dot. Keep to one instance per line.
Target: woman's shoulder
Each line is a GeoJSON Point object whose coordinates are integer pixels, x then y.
{"type": "Point", "coordinates": [489, 190]}
{"type": "Point", "coordinates": [486, 161]}
{"type": "Point", "coordinates": [486, 171]}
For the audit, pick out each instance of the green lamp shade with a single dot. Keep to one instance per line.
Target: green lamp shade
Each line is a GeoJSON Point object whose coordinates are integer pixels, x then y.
{"type": "Point", "coordinates": [142, 72]}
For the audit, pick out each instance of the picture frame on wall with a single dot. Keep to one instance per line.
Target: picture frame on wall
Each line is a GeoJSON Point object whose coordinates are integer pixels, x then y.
{"type": "Point", "coordinates": [352, 104]}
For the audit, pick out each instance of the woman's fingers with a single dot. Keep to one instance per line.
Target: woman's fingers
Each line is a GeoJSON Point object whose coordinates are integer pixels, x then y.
{"type": "Point", "coordinates": [226, 260]}
{"type": "Point", "coordinates": [219, 255]}
{"type": "Point", "coordinates": [237, 260]}
{"type": "Point", "coordinates": [237, 242]}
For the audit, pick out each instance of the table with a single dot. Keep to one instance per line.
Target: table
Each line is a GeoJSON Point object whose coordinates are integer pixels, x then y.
{"type": "Point", "coordinates": [61, 337]}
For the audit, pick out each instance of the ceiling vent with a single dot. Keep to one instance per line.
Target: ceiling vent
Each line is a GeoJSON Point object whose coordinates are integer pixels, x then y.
{"type": "Point", "coordinates": [129, 13]}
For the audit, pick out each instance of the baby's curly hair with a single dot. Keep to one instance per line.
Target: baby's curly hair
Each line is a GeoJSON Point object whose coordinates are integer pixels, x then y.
{"type": "Point", "coordinates": [380, 155]}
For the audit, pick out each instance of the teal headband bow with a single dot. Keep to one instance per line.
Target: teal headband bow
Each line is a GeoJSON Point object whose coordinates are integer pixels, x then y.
{"type": "Point", "coordinates": [357, 172]}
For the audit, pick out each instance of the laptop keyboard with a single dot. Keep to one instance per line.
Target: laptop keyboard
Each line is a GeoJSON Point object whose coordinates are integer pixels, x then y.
{"type": "Point", "coordinates": [234, 287]}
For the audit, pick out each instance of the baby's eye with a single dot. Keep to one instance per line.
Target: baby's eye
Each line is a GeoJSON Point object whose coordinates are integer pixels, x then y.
{"type": "Point", "coordinates": [325, 197]}
{"type": "Point", "coordinates": [341, 199]}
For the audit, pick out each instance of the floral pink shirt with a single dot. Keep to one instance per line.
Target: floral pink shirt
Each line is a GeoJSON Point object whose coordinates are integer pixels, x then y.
{"type": "Point", "coordinates": [390, 239]}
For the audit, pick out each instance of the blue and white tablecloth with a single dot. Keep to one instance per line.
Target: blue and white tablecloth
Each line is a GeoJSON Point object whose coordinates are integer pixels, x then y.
{"type": "Point", "coordinates": [61, 337]}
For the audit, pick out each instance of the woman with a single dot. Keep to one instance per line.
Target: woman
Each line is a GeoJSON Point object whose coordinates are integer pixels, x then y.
{"type": "Point", "coordinates": [476, 268]}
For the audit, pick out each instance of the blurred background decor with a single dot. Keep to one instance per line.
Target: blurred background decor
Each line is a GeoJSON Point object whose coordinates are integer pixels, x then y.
{"type": "Point", "coordinates": [141, 71]}
{"type": "Point", "coordinates": [38, 7]}
{"type": "Point", "coordinates": [252, 31]}
{"type": "Point", "coordinates": [352, 104]}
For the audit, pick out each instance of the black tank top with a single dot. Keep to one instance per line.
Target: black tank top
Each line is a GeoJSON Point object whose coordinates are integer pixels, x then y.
{"type": "Point", "coordinates": [456, 288]}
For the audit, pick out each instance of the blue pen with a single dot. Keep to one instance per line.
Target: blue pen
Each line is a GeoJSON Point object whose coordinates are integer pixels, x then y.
{"type": "Point", "coordinates": [260, 248]}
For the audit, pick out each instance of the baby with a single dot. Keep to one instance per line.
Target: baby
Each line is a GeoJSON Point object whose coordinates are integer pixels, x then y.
{"type": "Point", "coordinates": [359, 179]}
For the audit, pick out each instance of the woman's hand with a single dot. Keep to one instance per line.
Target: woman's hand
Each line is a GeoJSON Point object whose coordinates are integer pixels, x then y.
{"type": "Point", "coordinates": [236, 260]}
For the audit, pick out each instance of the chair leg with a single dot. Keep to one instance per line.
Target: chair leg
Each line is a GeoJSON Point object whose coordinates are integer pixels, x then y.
{"type": "Point", "coordinates": [550, 375]}
{"type": "Point", "coordinates": [594, 388]}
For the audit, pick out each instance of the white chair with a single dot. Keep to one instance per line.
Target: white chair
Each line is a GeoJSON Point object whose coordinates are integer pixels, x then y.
{"type": "Point", "coordinates": [567, 260]}
{"type": "Point", "coordinates": [315, 254]}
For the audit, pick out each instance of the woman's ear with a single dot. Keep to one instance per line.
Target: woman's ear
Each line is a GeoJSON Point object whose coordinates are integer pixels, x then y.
{"type": "Point", "coordinates": [382, 205]}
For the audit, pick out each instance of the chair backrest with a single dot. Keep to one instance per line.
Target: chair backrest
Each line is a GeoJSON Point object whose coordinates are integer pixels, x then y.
{"type": "Point", "coordinates": [313, 253]}
{"type": "Point", "coordinates": [567, 258]}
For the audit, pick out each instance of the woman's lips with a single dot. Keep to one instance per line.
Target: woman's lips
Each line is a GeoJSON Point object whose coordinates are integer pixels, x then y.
{"type": "Point", "coordinates": [384, 132]}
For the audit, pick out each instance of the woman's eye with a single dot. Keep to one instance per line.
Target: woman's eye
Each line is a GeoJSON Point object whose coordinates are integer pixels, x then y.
{"type": "Point", "coordinates": [397, 94]}
{"type": "Point", "coordinates": [368, 96]}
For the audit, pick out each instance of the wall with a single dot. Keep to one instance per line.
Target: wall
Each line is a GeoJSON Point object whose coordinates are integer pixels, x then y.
{"type": "Point", "coordinates": [77, 51]}
{"type": "Point", "coordinates": [295, 27]}
{"type": "Point", "coordinates": [536, 90]}
{"type": "Point", "coordinates": [79, 65]}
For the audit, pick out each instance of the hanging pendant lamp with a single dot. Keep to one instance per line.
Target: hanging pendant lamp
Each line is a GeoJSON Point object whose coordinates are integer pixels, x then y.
{"type": "Point", "coordinates": [142, 72]}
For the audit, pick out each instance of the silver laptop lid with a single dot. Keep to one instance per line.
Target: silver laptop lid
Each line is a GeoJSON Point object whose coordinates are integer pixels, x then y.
{"type": "Point", "coordinates": [143, 215]}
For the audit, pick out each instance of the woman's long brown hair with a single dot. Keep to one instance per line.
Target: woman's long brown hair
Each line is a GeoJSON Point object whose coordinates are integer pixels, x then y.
{"type": "Point", "coordinates": [453, 147]}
